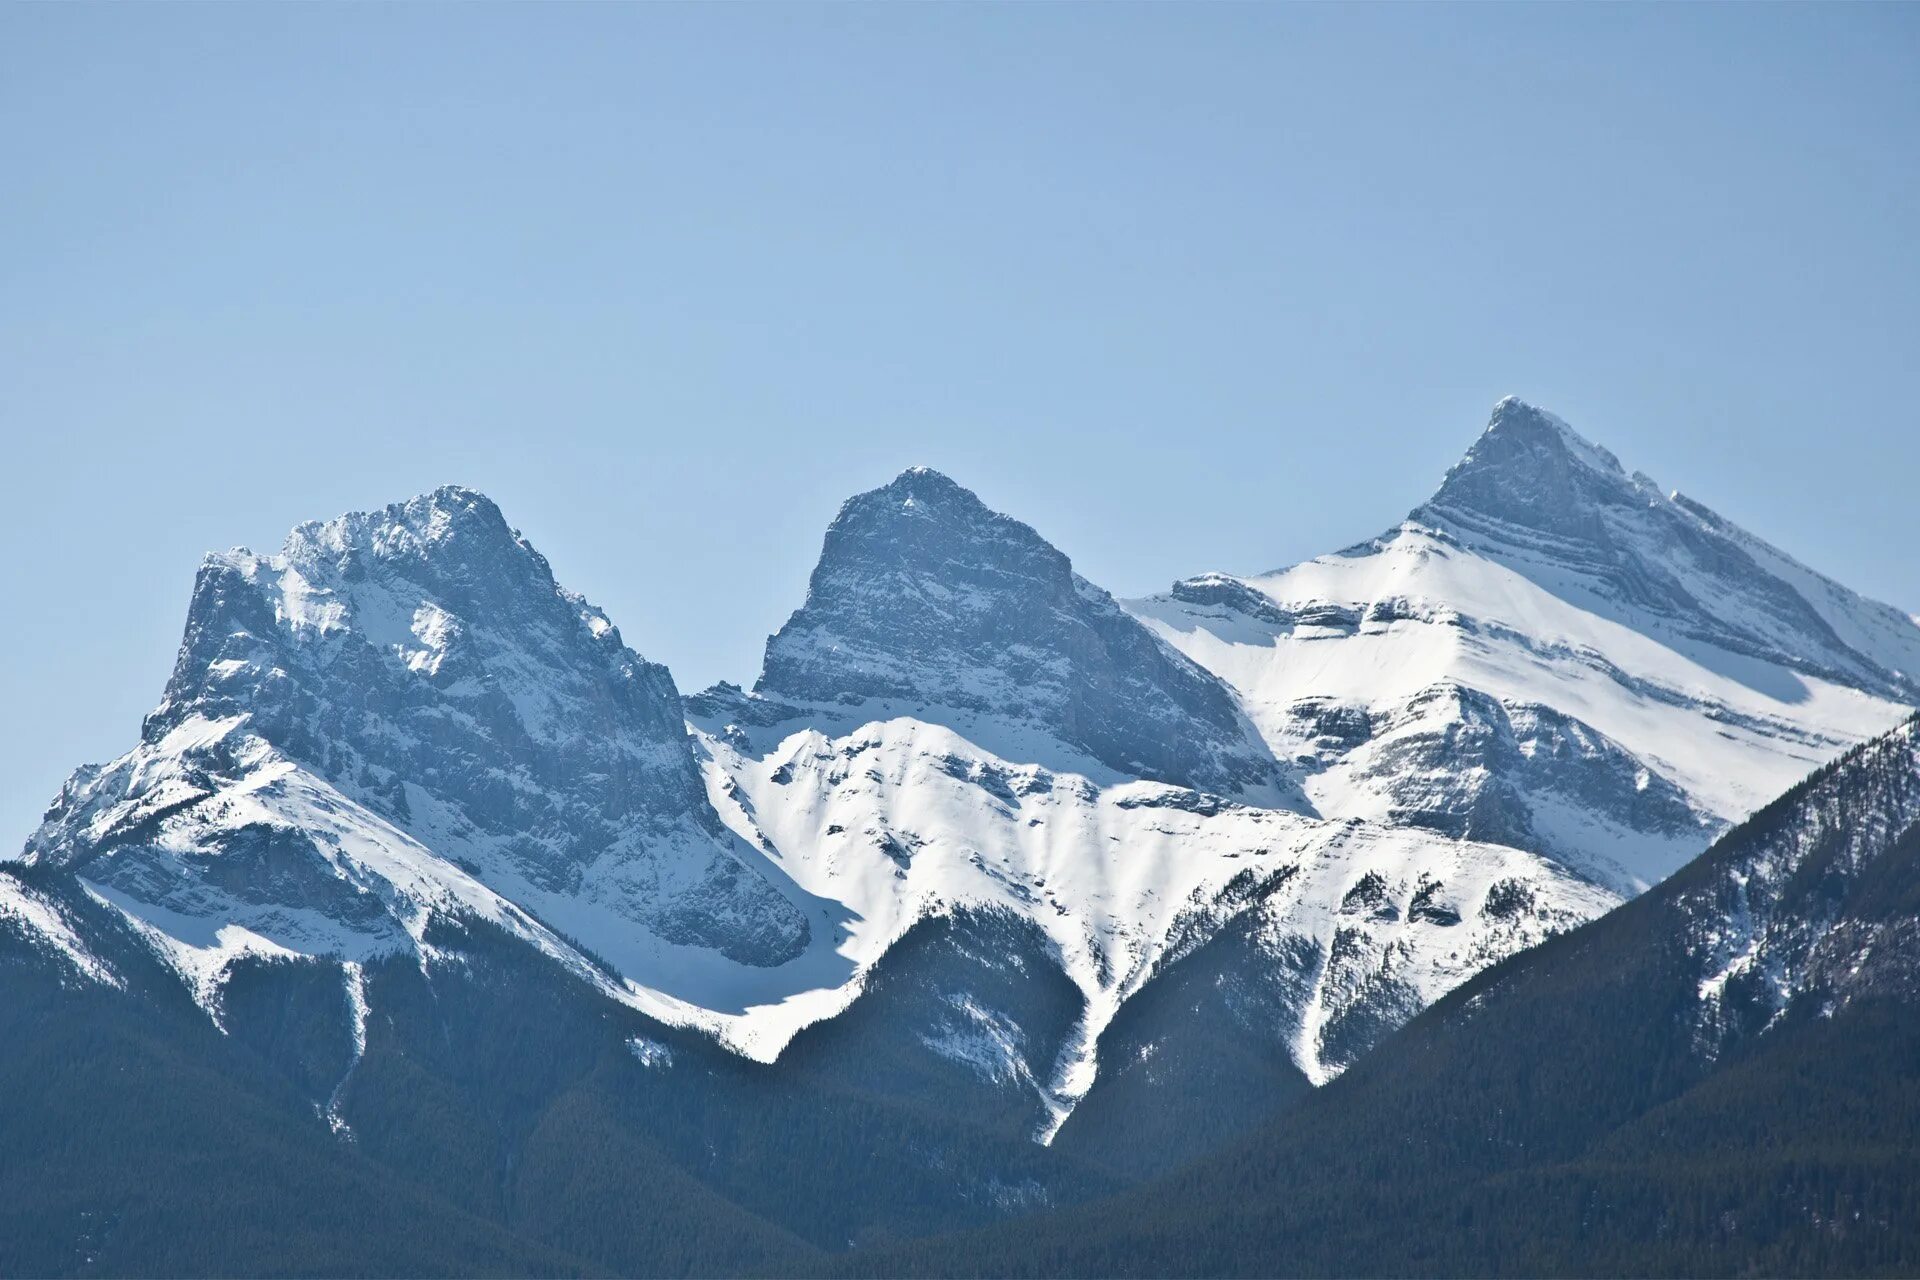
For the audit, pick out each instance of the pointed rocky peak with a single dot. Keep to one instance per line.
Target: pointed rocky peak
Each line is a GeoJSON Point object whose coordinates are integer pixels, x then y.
{"type": "Point", "coordinates": [906, 572]}
{"type": "Point", "coordinates": [923, 486]}
{"type": "Point", "coordinates": [1530, 470]}
{"type": "Point", "coordinates": [1516, 426]}
{"type": "Point", "coordinates": [925, 524]}
{"type": "Point", "coordinates": [924, 595]}
{"type": "Point", "coordinates": [1534, 495]}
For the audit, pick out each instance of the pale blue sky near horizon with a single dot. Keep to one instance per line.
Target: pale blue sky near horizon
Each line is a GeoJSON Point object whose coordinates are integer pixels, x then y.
{"type": "Point", "coordinates": [1185, 287]}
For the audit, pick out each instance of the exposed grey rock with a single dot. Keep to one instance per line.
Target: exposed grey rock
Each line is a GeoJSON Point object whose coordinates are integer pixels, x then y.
{"type": "Point", "coordinates": [924, 595]}
{"type": "Point", "coordinates": [422, 660]}
{"type": "Point", "coordinates": [1217, 590]}
{"type": "Point", "coordinates": [1531, 494]}
{"type": "Point", "coordinates": [1461, 762]}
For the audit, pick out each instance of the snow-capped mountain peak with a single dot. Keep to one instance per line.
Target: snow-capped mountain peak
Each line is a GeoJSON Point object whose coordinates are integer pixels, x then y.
{"type": "Point", "coordinates": [1531, 470]}
{"type": "Point", "coordinates": [402, 714]}
{"type": "Point", "coordinates": [1537, 498]}
{"type": "Point", "coordinates": [925, 597]}
{"type": "Point", "coordinates": [1680, 662]}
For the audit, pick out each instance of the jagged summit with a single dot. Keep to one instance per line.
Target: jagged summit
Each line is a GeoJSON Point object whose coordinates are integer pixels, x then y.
{"type": "Point", "coordinates": [924, 594]}
{"type": "Point", "coordinates": [456, 536]}
{"type": "Point", "coordinates": [449, 515]}
{"type": "Point", "coordinates": [924, 494]}
{"type": "Point", "coordinates": [1530, 470]}
{"type": "Point", "coordinates": [438, 586]}
{"type": "Point", "coordinates": [451, 545]}
{"type": "Point", "coordinates": [404, 701]}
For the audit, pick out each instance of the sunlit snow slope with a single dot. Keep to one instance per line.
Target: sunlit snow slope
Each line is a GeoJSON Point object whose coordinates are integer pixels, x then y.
{"type": "Point", "coordinates": [1553, 654]}
{"type": "Point", "coordinates": [1034, 767]}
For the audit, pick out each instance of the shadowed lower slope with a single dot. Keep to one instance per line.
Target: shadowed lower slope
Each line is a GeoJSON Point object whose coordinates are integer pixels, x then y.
{"type": "Point", "coordinates": [1721, 1077]}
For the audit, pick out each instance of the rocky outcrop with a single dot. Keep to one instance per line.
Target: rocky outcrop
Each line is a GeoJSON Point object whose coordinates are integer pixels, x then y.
{"type": "Point", "coordinates": [925, 597]}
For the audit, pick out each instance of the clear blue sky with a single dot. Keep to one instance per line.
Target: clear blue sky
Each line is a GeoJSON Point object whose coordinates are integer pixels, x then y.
{"type": "Point", "coordinates": [1185, 287]}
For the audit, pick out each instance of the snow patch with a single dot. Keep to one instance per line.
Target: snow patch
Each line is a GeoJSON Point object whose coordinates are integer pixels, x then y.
{"type": "Point", "coordinates": [40, 919]}
{"type": "Point", "coordinates": [650, 1053]}
{"type": "Point", "coordinates": [355, 977]}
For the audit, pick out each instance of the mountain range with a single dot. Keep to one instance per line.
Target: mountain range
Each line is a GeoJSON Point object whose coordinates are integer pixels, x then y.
{"type": "Point", "coordinates": [422, 892]}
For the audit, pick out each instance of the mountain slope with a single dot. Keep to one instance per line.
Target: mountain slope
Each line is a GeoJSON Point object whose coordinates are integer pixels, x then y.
{"type": "Point", "coordinates": [936, 729]}
{"type": "Point", "coordinates": [1717, 1078]}
{"type": "Point", "coordinates": [512, 1102]}
{"type": "Point", "coordinates": [140, 1141]}
{"type": "Point", "coordinates": [900, 820]}
{"type": "Point", "coordinates": [1551, 653]}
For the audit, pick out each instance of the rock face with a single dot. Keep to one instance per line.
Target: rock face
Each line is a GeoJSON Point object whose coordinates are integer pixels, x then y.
{"type": "Point", "coordinates": [1551, 653]}
{"type": "Point", "coordinates": [1458, 761]}
{"type": "Point", "coordinates": [403, 709]}
{"type": "Point", "coordinates": [924, 596]}
{"type": "Point", "coordinates": [1533, 495]}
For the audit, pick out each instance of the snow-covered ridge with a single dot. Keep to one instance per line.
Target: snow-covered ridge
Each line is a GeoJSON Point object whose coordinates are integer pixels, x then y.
{"type": "Point", "coordinates": [899, 818]}
{"type": "Point", "coordinates": [40, 921]}
{"type": "Point", "coordinates": [1544, 586]}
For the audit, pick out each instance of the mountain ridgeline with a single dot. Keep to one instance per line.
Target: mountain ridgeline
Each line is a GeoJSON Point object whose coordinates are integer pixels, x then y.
{"type": "Point", "coordinates": [1358, 917]}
